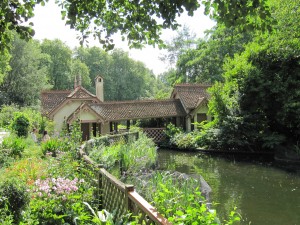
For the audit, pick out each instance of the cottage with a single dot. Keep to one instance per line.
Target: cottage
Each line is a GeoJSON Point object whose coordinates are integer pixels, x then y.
{"type": "Point", "coordinates": [187, 104]}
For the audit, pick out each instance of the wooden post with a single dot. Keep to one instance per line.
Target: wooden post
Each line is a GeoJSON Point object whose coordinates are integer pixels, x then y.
{"type": "Point", "coordinates": [128, 125]}
{"type": "Point", "coordinates": [100, 191]}
{"type": "Point", "coordinates": [116, 127]}
{"type": "Point", "coordinates": [128, 188]}
{"type": "Point", "coordinates": [110, 126]}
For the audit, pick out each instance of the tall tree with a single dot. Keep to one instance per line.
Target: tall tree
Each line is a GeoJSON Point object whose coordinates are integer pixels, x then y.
{"type": "Point", "coordinates": [80, 71]}
{"type": "Point", "coordinates": [28, 74]}
{"type": "Point", "coordinates": [98, 62]}
{"type": "Point", "coordinates": [178, 45]}
{"type": "Point", "coordinates": [60, 64]}
{"type": "Point", "coordinates": [138, 21]}
{"type": "Point", "coordinates": [205, 63]}
{"type": "Point", "coordinates": [258, 105]}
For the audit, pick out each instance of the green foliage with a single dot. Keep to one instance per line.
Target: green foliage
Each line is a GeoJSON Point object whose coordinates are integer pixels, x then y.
{"type": "Point", "coordinates": [50, 206]}
{"type": "Point", "coordinates": [135, 21]}
{"type": "Point", "coordinates": [23, 83]}
{"type": "Point", "coordinates": [101, 217]}
{"type": "Point", "coordinates": [13, 145]}
{"type": "Point", "coordinates": [178, 198]}
{"type": "Point", "coordinates": [130, 157]}
{"type": "Point", "coordinates": [184, 140]}
{"type": "Point", "coordinates": [4, 66]}
{"type": "Point", "coordinates": [7, 115]}
{"type": "Point", "coordinates": [178, 45]}
{"type": "Point", "coordinates": [59, 64]}
{"type": "Point", "coordinates": [204, 64]}
{"type": "Point", "coordinates": [172, 130]}
{"type": "Point", "coordinates": [14, 197]}
{"type": "Point", "coordinates": [248, 15]}
{"type": "Point", "coordinates": [257, 107]}
{"type": "Point", "coordinates": [51, 146]}
{"type": "Point", "coordinates": [20, 125]}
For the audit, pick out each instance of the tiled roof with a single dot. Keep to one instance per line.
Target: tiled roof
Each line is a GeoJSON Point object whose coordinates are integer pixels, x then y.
{"type": "Point", "coordinates": [51, 99]}
{"type": "Point", "coordinates": [190, 94]}
{"type": "Point", "coordinates": [80, 92]}
{"type": "Point", "coordinates": [114, 111]}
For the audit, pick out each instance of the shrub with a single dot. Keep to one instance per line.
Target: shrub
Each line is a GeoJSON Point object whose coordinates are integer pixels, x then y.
{"type": "Point", "coordinates": [51, 146]}
{"type": "Point", "coordinates": [5, 157]}
{"type": "Point", "coordinates": [172, 130]}
{"type": "Point", "coordinates": [59, 201]}
{"type": "Point", "coordinates": [21, 125]}
{"type": "Point", "coordinates": [14, 197]}
{"type": "Point", "coordinates": [185, 140]}
{"type": "Point", "coordinates": [14, 145]}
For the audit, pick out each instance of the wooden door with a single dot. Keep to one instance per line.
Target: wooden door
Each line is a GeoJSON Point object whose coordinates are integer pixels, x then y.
{"type": "Point", "coordinates": [85, 130]}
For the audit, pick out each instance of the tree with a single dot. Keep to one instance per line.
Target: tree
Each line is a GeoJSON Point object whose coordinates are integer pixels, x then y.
{"type": "Point", "coordinates": [59, 65]}
{"type": "Point", "coordinates": [140, 22]}
{"type": "Point", "coordinates": [98, 62]}
{"type": "Point", "coordinates": [4, 64]}
{"type": "Point", "coordinates": [178, 45]}
{"type": "Point", "coordinates": [260, 97]}
{"type": "Point", "coordinates": [205, 63]}
{"type": "Point", "coordinates": [128, 77]}
{"type": "Point", "coordinates": [80, 71]}
{"type": "Point", "coordinates": [28, 74]}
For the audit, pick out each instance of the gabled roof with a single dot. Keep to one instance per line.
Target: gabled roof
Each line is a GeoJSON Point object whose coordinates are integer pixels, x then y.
{"type": "Point", "coordinates": [190, 94]}
{"type": "Point", "coordinates": [80, 92]}
{"type": "Point", "coordinates": [51, 99]}
{"type": "Point", "coordinates": [83, 107]}
{"type": "Point", "coordinates": [116, 111]}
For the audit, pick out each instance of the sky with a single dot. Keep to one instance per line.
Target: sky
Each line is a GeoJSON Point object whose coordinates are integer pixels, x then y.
{"type": "Point", "coordinates": [49, 25]}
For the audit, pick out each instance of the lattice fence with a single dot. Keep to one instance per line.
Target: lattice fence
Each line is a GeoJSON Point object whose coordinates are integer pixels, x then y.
{"type": "Point", "coordinates": [156, 134]}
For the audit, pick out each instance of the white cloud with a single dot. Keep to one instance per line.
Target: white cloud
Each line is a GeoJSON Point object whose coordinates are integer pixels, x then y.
{"type": "Point", "coordinates": [49, 25]}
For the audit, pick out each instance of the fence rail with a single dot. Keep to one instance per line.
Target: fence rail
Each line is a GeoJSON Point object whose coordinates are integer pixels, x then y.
{"type": "Point", "coordinates": [115, 196]}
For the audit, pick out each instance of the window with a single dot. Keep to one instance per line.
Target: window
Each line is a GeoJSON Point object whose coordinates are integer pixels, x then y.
{"type": "Point", "coordinates": [201, 117]}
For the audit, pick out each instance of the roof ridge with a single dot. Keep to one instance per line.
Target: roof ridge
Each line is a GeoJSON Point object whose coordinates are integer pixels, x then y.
{"type": "Point", "coordinates": [135, 101]}
{"type": "Point", "coordinates": [56, 91]}
{"type": "Point", "coordinates": [194, 84]}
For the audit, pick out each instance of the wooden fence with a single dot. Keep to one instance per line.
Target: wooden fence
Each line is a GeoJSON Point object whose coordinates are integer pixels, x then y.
{"type": "Point", "coordinates": [119, 198]}
{"type": "Point", "coordinates": [158, 135]}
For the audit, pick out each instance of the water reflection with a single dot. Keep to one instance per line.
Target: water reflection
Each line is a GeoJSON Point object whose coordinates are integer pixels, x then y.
{"type": "Point", "coordinates": [263, 194]}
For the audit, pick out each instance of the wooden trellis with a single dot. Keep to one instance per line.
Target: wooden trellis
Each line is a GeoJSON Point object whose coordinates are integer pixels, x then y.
{"type": "Point", "coordinates": [156, 134]}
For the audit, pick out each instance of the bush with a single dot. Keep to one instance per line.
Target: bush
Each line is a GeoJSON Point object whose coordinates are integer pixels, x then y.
{"type": "Point", "coordinates": [172, 130]}
{"type": "Point", "coordinates": [13, 145]}
{"type": "Point", "coordinates": [51, 146]}
{"type": "Point", "coordinates": [21, 125]}
{"type": "Point", "coordinates": [59, 201]}
{"type": "Point", "coordinates": [14, 197]}
{"type": "Point", "coordinates": [7, 115]}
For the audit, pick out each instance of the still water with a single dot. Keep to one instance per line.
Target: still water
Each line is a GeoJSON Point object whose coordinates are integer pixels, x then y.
{"type": "Point", "coordinates": [262, 193]}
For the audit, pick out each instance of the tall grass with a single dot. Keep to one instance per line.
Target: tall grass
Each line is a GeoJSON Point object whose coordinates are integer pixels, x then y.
{"type": "Point", "coordinates": [131, 156]}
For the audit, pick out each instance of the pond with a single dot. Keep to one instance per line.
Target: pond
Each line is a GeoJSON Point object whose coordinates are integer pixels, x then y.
{"type": "Point", "coordinates": [262, 193]}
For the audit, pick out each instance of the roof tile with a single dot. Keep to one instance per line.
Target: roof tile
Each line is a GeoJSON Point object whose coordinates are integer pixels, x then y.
{"type": "Point", "coordinates": [190, 94]}
{"type": "Point", "coordinates": [113, 111]}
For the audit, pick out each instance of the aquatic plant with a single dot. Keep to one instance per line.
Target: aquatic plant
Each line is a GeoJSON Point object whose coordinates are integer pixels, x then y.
{"type": "Point", "coordinates": [130, 157]}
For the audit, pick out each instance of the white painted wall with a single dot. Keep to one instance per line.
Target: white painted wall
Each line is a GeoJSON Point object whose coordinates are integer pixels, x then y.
{"type": "Point", "coordinates": [63, 113]}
